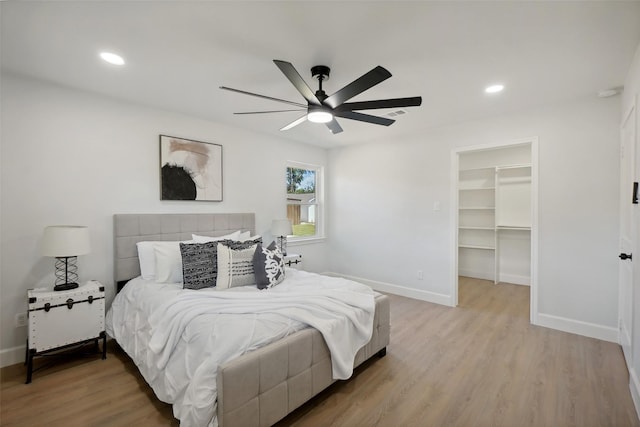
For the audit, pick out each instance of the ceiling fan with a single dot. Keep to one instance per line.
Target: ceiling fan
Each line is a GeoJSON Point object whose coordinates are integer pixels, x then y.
{"type": "Point", "coordinates": [321, 108]}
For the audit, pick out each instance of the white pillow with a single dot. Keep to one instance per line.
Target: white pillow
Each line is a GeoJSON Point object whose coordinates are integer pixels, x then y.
{"type": "Point", "coordinates": [147, 256]}
{"type": "Point", "coordinates": [206, 239]}
{"type": "Point", "coordinates": [245, 235]}
{"type": "Point", "coordinates": [168, 262]}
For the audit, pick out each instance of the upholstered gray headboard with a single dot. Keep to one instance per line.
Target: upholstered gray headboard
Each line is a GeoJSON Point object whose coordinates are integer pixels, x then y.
{"type": "Point", "coordinates": [129, 229]}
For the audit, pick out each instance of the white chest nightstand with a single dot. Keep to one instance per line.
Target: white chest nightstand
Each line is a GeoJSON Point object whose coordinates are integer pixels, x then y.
{"type": "Point", "coordinates": [60, 319]}
{"type": "Point", "coordinates": [293, 261]}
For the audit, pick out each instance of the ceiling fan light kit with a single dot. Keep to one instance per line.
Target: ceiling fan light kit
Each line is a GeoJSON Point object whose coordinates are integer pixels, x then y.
{"type": "Point", "coordinates": [319, 115]}
{"type": "Point", "coordinates": [321, 108]}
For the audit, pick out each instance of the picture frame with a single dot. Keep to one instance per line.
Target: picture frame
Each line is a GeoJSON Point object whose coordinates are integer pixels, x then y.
{"type": "Point", "coordinates": [190, 170]}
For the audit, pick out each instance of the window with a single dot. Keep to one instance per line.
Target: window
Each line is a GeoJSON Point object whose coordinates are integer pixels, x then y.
{"type": "Point", "coordinates": [304, 210]}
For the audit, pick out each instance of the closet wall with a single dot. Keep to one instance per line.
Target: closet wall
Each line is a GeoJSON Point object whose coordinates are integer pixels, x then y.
{"type": "Point", "coordinates": [494, 214]}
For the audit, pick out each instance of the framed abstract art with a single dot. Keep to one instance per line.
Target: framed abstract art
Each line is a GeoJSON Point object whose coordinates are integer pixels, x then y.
{"type": "Point", "coordinates": [190, 170]}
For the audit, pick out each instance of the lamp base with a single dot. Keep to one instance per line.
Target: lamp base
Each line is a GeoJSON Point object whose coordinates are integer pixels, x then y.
{"type": "Point", "coordinates": [282, 244]}
{"type": "Point", "coordinates": [65, 286]}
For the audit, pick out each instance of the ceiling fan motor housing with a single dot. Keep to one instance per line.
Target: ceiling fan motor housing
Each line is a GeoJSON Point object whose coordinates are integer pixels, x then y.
{"type": "Point", "coordinates": [321, 72]}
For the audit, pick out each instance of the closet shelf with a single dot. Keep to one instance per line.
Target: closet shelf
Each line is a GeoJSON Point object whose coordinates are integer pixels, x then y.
{"type": "Point", "coordinates": [477, 169]}
{"type": "Point", "coordinates": [476, 188]}
{"type": "Point", "coordinates": [513, 227]}
{"type": "Point", "coordinates": [522, 166]}
{"type": "Point", "coordinates": [489, 248]}
{"type": "Point", "coordinates": [476, 208]}
{"type": "Point", "coordinates": [462, 227]}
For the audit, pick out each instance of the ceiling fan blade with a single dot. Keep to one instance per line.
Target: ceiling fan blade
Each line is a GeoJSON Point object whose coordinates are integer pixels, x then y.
{"type": "Point", "coordinates": [381, 103]}
{"type": "Point", "coordinates": [359, 85]}
{"type": "Point", "coordinates": [294, 77]}
{"type": "Point", "coordinates": [297, 104]}
{"type": "Point", "coordinates": [364, 118]}
{"type": "Point", "coordinates": [334, 127]}
{"type": "Point", "coordinates": [295, 123]}
{"type": "Point", "coordinates": [264, 112]}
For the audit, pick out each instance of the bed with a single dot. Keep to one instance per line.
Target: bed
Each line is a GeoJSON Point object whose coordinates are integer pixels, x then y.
{"type": "Point", "coordinates": [258, 387]}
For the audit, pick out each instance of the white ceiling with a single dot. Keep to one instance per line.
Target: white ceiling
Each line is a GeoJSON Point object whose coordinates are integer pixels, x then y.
{"type": "Point", "coordinates": [179, 53]}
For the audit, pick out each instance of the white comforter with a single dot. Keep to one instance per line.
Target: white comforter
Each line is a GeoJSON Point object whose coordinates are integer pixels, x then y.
{"type": "Point", "coordinates": [177, 337]}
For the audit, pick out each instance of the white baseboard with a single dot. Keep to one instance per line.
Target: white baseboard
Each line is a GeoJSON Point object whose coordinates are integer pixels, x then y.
{"type": "Point", "coordinates": [484, 275]}
{"type": "Point", "coordinates": [399, 290]}
{"type": "Point", "coordinates": [515, 279]}
{"type": "Point", "coordinates": [586, 329]}
{"type": "Point", "coordinates": [11, 356]}
{"type": "Point", "coordinates": [634, 387]}
{"type": "Point", "coordinates": [507, 278]}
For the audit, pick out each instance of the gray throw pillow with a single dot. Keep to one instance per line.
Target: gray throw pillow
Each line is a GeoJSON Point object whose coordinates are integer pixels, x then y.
{"type": "Point", "coordinates": [268, 264]}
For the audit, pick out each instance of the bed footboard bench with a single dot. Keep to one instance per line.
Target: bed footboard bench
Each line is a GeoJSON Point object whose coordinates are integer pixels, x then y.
{"type": "Point", "coordinates": [263, 386]}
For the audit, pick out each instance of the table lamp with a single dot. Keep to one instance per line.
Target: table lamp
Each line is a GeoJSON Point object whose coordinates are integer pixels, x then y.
{"type": "Point", "coordinates": [65, 243]}
{"type": "Point", "coordinates": [281, 228]}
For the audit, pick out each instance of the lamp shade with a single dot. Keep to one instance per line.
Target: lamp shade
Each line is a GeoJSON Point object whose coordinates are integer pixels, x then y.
{"type": "Point", "coordinates": [65, 241]}
{"type": "Point", "coordinates": [281, 227]}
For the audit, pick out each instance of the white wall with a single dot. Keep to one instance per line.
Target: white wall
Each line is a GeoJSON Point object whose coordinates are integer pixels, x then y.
{"type": "Point", "coordinates": [71, 157]}
{"type": "Point", "coordinates": [384, 228]}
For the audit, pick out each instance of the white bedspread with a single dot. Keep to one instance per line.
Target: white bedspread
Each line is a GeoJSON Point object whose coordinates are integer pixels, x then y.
{"type": "Point", "coordinates": [178, 338]}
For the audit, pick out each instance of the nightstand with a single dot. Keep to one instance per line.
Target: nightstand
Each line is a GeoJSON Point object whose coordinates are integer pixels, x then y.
{"type": "Point", "coordinates": [293, 261]}
{"type": "Point", "coordinates": [64, 319]}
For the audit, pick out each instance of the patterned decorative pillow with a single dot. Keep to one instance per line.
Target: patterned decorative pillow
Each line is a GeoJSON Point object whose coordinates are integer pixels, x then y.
{"type": "Point", "coordinates": [199, 264]}
{"type": "Point", "coordinates": [268, 264]}
{"type": "Point", "coordinates": [236, 244]}
{"type": "Point", "coordinates": [235, 263]}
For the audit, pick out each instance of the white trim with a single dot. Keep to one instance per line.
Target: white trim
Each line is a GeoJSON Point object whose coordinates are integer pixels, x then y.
{"type": "Point", "coordinates": [514, 279]}
{"type": "Point", "coordinates": [11, 356]}
{"type": "Point", "coordinates": [305, 241]}
{"type": "Point", "coordinates": [625, 343]}
{"type": "Point", "coordinates": [486, 275]}
{"type": "Point", "coordinates": [579, 327]}
{"type": "Point", "coordinates": [533, 280]}
{"type": "Point", "coordinates": [634, 387]}
{"type": "Point", "coordinates": [454, 212]}
{"type": "Point", "coordinates": [399, 290]}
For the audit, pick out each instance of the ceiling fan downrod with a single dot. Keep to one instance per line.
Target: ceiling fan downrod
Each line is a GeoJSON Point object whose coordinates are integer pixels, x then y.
{"type": "Point", "coordinates": [321, 72]}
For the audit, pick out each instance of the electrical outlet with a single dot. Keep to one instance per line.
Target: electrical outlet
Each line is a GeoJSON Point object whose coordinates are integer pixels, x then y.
{"type": "Point", "coordinates": [21, 320]}
{"type": "Point", "coordinates": [420, 275]}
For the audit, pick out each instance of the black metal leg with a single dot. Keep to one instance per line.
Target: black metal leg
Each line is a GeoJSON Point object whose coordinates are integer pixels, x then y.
{"type": "Point", "coordinates": [104, 345]}
{"type": "Point", "coordinates": [26, 352]}
{"type": "Point", "coordinates": [30, 355]}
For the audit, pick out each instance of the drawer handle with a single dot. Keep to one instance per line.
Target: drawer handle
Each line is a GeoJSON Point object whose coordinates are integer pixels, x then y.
{"type": "Point", "coordinates": [70, 303]}
{"type": "Point", "coordinates": [47, 307]}
{"type": "Point", "coordinates": [90, 299]}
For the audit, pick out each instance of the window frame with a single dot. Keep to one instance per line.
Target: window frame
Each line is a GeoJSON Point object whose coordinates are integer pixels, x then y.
{"type": "Point", "coordinates": [320, 219]}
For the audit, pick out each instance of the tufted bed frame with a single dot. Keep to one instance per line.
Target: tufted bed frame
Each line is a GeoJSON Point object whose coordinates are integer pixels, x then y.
{"type": "Point", "coordinates": [261, 387]}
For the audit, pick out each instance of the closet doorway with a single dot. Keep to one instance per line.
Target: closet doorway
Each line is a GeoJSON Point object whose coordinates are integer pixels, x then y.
{"type": "Point", "coordinates": [495, 209]}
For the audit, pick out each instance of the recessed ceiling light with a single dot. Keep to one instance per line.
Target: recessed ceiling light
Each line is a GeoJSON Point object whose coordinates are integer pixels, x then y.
{"type": "Point", "coordinates": [112, 58]}
{"type": "Point", "coordinates": [494, 88]}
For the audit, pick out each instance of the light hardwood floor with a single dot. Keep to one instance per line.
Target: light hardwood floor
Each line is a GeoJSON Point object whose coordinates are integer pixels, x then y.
{"type": "Point", "coordinates": [480, 364]}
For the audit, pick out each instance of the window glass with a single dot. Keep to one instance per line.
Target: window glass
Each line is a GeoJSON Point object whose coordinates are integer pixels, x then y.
{"type": "Point", "coordinates": [302, 202]}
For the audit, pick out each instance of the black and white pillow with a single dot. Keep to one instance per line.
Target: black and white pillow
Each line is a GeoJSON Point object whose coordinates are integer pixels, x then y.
{"type": "Point", "coordinates": [235, 244]}
{"type": "Point", "coordinates": [235, 265]}
{"type": "Point", "coordinates": [199, 264]}
{"type": "Point", "coordinates": [268, 264]}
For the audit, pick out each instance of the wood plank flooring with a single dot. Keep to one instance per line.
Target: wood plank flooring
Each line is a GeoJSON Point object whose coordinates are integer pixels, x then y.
{"type": "Point", "coordinates": [479, 364]}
